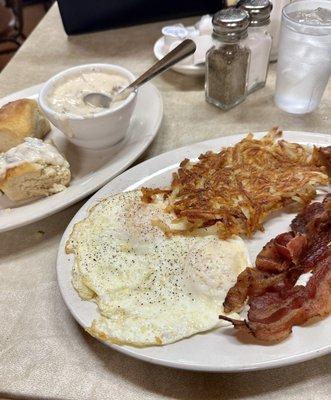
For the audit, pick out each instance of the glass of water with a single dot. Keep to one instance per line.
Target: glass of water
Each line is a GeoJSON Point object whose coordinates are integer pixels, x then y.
{"type": "Point", "coordinates": [304, 60]}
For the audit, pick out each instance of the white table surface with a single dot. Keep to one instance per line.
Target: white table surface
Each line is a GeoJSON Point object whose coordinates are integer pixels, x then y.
{"type": "Point", "coordinates": [43, 352]}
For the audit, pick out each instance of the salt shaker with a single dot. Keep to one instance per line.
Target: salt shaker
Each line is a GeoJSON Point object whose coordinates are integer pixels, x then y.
{"type": "Point", "coordinates": [274, 27]}
{"type": "Point", "coordinates": [259, 41]}
{"type": "Point", "coordinates": [227, 62]}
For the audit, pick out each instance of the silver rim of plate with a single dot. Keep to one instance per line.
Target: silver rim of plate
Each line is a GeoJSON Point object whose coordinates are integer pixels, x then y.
{"type": "Point", "coordinates": [214, 351]}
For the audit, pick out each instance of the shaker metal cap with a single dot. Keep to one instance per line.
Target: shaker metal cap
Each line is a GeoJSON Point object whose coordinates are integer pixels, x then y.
{"type": "Point", "coordinates": [230, 22]}
{"type": "Point", "coordinates": [258, 10]}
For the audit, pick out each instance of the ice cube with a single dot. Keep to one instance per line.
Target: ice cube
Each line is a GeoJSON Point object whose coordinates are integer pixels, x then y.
{"type": "Point", "coordinates": [320, 16]}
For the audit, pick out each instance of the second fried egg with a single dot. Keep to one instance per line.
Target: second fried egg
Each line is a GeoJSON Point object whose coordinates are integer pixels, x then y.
{"type": "Point", "coordinates": [150, 289]}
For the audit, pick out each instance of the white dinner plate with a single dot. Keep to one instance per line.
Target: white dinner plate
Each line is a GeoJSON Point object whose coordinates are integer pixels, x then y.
{"type": "Point", "coordinates": [90, 169]}
{"type": "Point", "coordinates": [219, 350]}
{"type": "Point", "coordinates": [197, 70]}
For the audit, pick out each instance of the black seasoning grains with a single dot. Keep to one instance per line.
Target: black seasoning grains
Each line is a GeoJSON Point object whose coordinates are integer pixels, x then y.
{"type": "Point", "coordinates": [227, 68]}
{"type": "Point", "coordinates": [227, 63]}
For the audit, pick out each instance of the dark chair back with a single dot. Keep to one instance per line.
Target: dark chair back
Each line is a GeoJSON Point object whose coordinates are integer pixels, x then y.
{"type": "Point", "coordinates": [81, 16]}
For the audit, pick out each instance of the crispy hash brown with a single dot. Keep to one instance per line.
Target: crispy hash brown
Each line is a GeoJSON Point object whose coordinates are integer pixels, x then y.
{"type": "Point", "coordinates": [237, 189]}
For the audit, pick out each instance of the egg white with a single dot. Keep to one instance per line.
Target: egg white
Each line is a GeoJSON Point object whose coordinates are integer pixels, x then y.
{"type": "Point", "coordinates": [150, 289]}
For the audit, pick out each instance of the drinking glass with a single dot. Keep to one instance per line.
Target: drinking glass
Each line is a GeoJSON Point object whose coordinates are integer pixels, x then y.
{"type": "Point", "coordinates": [304, 60]}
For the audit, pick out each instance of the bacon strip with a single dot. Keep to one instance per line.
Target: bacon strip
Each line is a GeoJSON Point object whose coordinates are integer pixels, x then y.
{"type": "Point", "coordinates": [281, 253]}
{"type": "Point", "coordinates": [275, 303]}
{"type": "Point", "coordinates": [323, 157]}
{"type": "Point", "coordinates": [275, 264]}
{"type": "Point", "coordinates": [301, 221]}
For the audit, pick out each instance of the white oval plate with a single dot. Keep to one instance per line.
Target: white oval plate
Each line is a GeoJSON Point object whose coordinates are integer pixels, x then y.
{"type": "Point", "coordinates": [219, 350]}
{"type": "Point", "coordinates": [90, 169]}
{"type": "Point", "coordinates": [182, 69]}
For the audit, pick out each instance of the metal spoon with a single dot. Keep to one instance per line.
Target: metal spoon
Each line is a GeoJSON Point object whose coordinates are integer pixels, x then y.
{"type": "Point", "coordinates": [183, 50]}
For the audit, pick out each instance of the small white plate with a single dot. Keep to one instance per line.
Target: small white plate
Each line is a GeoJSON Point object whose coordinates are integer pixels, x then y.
{"type": "Point", "coordinates": [90, 169]}
{"type": "Point", "coordinates": [218, 350]}
{"type": "Point", "coordinates": [197, 70]}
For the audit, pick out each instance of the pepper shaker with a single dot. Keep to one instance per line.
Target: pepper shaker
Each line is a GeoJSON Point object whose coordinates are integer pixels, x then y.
{"type": "Point", "coordinates": [227, 62]}
{"type": "Point", "coordinates": [259, 41]}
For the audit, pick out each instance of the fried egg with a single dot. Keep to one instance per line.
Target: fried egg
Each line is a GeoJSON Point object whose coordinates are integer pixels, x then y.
{"type": "Point", "coordinates": [150, 289]}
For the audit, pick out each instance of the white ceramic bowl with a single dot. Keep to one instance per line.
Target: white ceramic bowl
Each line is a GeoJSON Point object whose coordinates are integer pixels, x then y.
{"type": "Point", "coordinates": [96, 131]}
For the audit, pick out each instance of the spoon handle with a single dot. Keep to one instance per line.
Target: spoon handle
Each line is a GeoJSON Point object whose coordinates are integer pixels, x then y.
{"type": "Point", "coordinates": [184, 49]}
